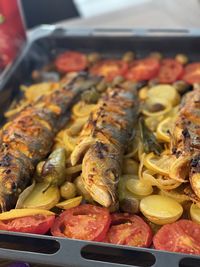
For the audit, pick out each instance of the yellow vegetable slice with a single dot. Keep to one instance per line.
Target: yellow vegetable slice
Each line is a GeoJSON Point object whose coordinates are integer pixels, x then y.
{"type": "Point", "coordinates": [164, 129]}
{"type": "Point", "coordinates": [163, 112]}
{"type": "Point", "coordinates": [179, 197]}
{"type": "Point", "coordinates": [76, 126]}
{"type": "Point", "coordinates": [143, 93]}
{"type": "Point", "coordinates": [42, 197]}
{"type": "Point", "coordinates": [35, 91]}
{"type": "Point", "coordinates": [70, 203]}
{"type": "Point", "coordinates": [69, 141]}
{"type": "Point", "coordinates": [195, 213]}
{"type": "Point", "coordinates": [139, 187]}
{"type": "Point", "coordinates": [81, 109]}
{"type": "Point", "coordinates": [164, 183]}
{"type": "Point", "coordinates": [130, 166]}
{"type": "Point", "coordinates": [159, 164]}
{"type": "Point", "coordinates": [153, 122]}
{"type": "Point", "coordinates": [179, 168]}
{"type": "Point", "coordinates": [18, 213]}
{"type": "Point", "coordinates": [74, 169]}
{"type": "Point", "coordinates": [161, 209]}
{"type": "Point", "coordinates": [164, 92]}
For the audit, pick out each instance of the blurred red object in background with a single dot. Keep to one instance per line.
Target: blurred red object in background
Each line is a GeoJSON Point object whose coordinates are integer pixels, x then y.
{"type": "Point", "coordinates": [12, 31]}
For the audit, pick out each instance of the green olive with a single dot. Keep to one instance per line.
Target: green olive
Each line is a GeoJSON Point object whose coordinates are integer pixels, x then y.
{"type": "Point", "coordinates": [181, 87]}
{"type": "Point", "coordinates": [128, 56]}
{"type": "Point", "coordinates": [130, 205]}
{"type": "Point", "coordinates": [93, 57]}
{"type": "Point", "coordinates": [102, 86]}
{"type": "Point", "coordinates": [68, 190]}
{"type": "Point", "coordinates": [117, 80]}
{"type": "Point", "coordinates": [181, 58]}
{"type": "Point", "coordinates": [156, 55]}
{"type": "Point", "coordinates": [90, 96]}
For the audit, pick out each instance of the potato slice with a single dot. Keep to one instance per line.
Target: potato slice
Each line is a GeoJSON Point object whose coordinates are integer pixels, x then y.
{"type": "Point", "coordinates": [161, 209]}
{"type": "Point", "coordinates": [42, 197]}
{"type": "Point", "coordinates": [164, 92]}
{"type": "Point", "coordinates": [139, 187]}
{"type": "Point", "coordinates": [195, 213]}
{"type": "Point", "coordinates": [70, 203]}
{"type": "Point", "coordinates": [19, 213]}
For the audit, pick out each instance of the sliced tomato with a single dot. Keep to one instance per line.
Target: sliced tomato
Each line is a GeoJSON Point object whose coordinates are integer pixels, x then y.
{"type": "Point", "coordinates": [129, 230]}
{"type": "Point", "coordinates": [192, 73]}
{"type": "Point", "coordinates": [110, 69]}
{"type": "Point", "coordinates": [71, 61]}
{"type": "Point", "coordinates": [170, 71]}
{"type": "Point", "coordinates": [182, 236]}
{"type": "Point", "coordinates": [35, 224]}
{"type": "Point", "coordinates": [85, 222]}
{"type": "Point", "coordinates": [143, 69]}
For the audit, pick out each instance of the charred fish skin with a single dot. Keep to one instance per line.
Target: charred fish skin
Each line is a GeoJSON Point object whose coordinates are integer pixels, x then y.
{"type": "Point", "coordinates": [103, 141]}
{"type": "Point", "coordinates": [186, 142]}
{"type": "Point", "coordinates": [29, 136]}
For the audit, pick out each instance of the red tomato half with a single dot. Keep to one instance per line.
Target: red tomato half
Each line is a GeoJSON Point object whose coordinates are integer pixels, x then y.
{"type": "Point", "coordinates": [36, 224]}
{"type": "Point", "coordinates": [143, 69]}
{"type": "Point", "coordinates": [71, 61]}
{"type": "Point", "coordinates": [182, 236]}
{"type": "Point", "coordinates": [110, 69]}
{"type": "Point", "coordinates": [170, 71]}
{"type": "Point", "coordinates": [129, 230]}
{"type": "Point", "coordinates": [192, 73]}
{"type": "Point", "coordinates": [85, 222]}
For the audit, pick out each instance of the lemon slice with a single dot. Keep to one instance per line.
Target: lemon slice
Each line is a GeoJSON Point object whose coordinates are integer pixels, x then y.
{"type": "Point", "coordinates": [81, 109]}
{"type": "Point", "coordinates": [70, 203]}
{"type": "Point", "coordinates": [159, 164]}
{"type": "Point", "coordinates": [139, 187]}
{"type": "Point", "coordinates": [195, 213]}
{"type": "Point", "coordinates": [164, 92]}
{"type": "Point", "coordinates": [42, 197]}
{"type": "Point", "coordinates": [19, 213]}
{"type": "Point", "coordinates": [161, 209]}
{"type": "Point", "coordinates": [164, 129]}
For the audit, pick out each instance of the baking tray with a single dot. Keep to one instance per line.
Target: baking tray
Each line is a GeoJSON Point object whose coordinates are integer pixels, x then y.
{"type": "Point", "coordinates": [42, 46]}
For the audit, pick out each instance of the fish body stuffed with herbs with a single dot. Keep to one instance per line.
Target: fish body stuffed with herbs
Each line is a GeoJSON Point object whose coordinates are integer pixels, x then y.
{"type": "Point", "coordinates": [103, 141]}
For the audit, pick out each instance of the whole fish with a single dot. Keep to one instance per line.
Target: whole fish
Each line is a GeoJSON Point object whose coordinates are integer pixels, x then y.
{"type": "Point", "coordinates": [103, 141]}
{"type": "Point", "coordinates": [186, 142]}
{"type": "Point", "coordinates": [29, 136]}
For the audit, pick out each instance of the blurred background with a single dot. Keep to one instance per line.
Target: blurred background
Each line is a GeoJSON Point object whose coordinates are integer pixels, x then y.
{"type": "Point", "coordinates": [113, 13]}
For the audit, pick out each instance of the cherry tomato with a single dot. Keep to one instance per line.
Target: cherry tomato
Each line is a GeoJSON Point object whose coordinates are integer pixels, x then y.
{"type": "Point", "coordinates": [36, 224]}
{"type": "Point", "coordinates": [143, 69]}
{"type": "Point", "coordinates": [71, 61]}
{"type": "Point", "coordinates": [110, 69]}
{"type": "Point", "coordinates": [85, 222]}
{"type": "Point", "coordinates": [170, 71]}
{"type": "Point", "coordinates": [192, 73]}
{"type": "Point", "coordinates": [182, 236]}
{"type": "Point", "coordinates": [129, 230]}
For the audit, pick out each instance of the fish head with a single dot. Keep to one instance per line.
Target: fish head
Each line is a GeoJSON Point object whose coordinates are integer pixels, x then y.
{"type": "Point", "coordinates": [100, 173]}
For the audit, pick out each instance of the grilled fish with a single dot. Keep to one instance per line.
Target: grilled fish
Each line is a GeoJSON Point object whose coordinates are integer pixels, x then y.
{"type": "Point", "coordinates": [103, 141]}
{"type": "Point", "coordinates": [186, 142]}
{"type": "Point", "coordinates": [28, 137]}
